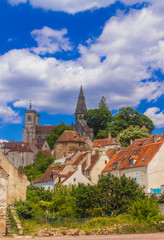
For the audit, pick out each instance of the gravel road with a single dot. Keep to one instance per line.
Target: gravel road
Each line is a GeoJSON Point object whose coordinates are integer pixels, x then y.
{"type": "Point", "coordinates": [154, 236]}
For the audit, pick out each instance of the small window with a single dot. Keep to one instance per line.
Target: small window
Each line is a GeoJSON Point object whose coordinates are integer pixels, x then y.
{"type": "Point", "coordinates": [29, 119]}
{"type": "Point", "coordinates": [74, 179]}
{"type": "Point", "coordinates": [22, 154]}
{"type": "Point", "coordinates": [105, 161]}
{"type": "Point", "coordinates": [13, 155]}
{"type": "Point", "coordinates": [115, 165]}
{"type": "Point", "coordinates": [144, 159]}
{"type": "Point", "coordinates": [22, 160]}
{"type": "Point", "coordinates": [131, 162]}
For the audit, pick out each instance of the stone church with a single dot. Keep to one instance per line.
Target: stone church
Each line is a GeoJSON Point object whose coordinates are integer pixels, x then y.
{"type": "Point", "coordinates": [32, 132]}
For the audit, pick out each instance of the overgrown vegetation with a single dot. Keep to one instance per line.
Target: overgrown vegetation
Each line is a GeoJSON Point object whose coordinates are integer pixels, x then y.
{"type": "Point", "coordinates": [42, 163]}
{"type": "Point", "coordinates": [103, 203]}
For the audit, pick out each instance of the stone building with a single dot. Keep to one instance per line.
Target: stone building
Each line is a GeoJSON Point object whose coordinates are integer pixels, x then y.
{"type": "Point", "coordinates": [13, 185]}
{"type": "Point", "coordinates": [69, 141]}
{"type": "Point", "coordinates": [32, 132]}
{"type": "Point", "coordinates": [81, 126]}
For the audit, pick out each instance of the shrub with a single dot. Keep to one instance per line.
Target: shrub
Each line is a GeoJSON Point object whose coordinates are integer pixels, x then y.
{"type": "Point", "coordinates": [146, 210]}
{"type": "Point", "coordinates": [24, 210]}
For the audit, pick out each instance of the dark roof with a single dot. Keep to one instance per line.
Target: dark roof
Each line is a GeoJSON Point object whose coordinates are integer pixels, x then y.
{"type": "Point", "coordinates": [81, 105]}
{"type": "Point", "coordinates": [44, 129]}
{"type": "Point", "coordinates": [69, 136]}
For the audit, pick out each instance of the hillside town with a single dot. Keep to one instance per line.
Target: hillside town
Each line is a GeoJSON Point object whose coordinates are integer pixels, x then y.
{"type": "Point", "coordinates": [78, 159]}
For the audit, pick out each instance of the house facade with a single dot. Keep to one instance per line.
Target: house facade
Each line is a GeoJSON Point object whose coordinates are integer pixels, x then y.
{"type": "Point", "coordinates": [145, 163]}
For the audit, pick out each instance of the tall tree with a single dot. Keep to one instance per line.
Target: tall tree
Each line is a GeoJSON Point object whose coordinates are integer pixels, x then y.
{"type": "Point", "coordinates": [132, 133]}
{"type": "Point", "coordinates": [103, 104]}
{"type": "Point", "coordinates": [129, 117]}
{"type": "Point", "coordinates": [98, 119]}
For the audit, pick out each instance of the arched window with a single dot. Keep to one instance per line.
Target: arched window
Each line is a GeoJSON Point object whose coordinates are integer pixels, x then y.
{"type": "Point", "coordinates": [80, 117]}
{"type": "Point", "coordinates": [29, 119]}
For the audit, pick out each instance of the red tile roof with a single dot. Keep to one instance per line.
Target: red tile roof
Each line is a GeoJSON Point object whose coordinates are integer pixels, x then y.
{"type": "Point", "coordinates": [110, 152]}
{"type": "Point", "coordinates": [47, 151]}
{"type": "Point", "coordinates": [23, 147]}
{"type": "Point", "coordinates": [105, 142]}
{"type": "Point", "coordinates": [94, 159]}
{"type": "Point", "coordinates": [69, 136]}
{"type": "Point", "coordinates": [10, 145]}
{"type": "Point", "coordinates": [141, 155]}
{"type": "Point", "coordinates": [47, 176]}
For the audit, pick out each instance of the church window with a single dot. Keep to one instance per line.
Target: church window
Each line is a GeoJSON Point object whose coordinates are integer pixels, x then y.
{"type": "Point", "coordinates": [80, 117]}
{"type": "Point", "coordinates": [29, 119]}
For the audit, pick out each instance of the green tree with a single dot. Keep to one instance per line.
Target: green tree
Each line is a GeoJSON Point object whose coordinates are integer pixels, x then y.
{"type": "Point", "coordinates": [103, 104]}
{"type": "Point", "coordinates": [56, 133]}
{"type": "Point", "coordinates": [98, 119]}
{"type": "Point", "coordinates": [115, 195]}
{"type": "Point", "coordinates": [132, 133]}
{"type": "Point", "coordinates": [42, 162]}
{"type": "Point", "coordinates": [129, 117]}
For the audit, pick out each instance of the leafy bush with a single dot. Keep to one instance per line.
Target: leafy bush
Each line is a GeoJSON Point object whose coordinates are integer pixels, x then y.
{"type": "Point", "coordinates": [146, 210]}
{"type": "Point", "coordinates": [24, 210]}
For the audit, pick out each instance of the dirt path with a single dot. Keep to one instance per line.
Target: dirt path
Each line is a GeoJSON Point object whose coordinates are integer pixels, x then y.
{"type": "Point", "coordinates": [154, 236]}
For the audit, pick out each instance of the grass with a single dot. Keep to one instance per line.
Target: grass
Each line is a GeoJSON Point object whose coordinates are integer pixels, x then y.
{"type": "Point", "coordinates": [121, 224]}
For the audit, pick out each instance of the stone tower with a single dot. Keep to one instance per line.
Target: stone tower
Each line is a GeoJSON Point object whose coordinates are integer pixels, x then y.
{"type": "Point", "coordinates": [31, 121]}
{"type": "Point", "coordinates": [81, 109]}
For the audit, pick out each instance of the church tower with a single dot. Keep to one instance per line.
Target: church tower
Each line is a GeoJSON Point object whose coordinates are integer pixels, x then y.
{"type": "Point", "coordinates": [81, 109]}
{"type": "Point", "coordinates": [31, 121]}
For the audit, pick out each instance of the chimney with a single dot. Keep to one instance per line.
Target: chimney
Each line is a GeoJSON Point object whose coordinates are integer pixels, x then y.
{"type": "Point", "coordinates": [131, 141]}
{"type": "Point", "coordinates": [109, 136]}
{"type": "Point", "coordinates": [80, 168]}
{"type": "Point", "coordinates": [88, 160]}
{"type": "Point", "coordinates": [155, 138]}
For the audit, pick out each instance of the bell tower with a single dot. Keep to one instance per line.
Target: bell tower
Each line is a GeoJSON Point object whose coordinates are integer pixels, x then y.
{"type": "Point", "coordinates": [31, 121]}
{"type": "Point", "coordinates": [81, 109]}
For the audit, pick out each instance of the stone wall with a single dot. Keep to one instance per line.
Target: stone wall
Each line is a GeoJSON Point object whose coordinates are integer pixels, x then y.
{"type": "Point", "coordinates": [61, 149]}
{"type": "Point", "coordinates": [3, 200]}
{"type": "Point", "coordinates": [17, 181]}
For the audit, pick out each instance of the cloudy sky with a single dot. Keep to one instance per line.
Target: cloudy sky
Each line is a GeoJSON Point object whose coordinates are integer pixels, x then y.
{"type": "Point", "coordinates": [49, 48]}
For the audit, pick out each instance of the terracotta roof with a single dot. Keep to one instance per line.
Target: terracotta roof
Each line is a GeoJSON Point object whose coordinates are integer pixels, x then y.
{"type": "Point", "coordinates": [69, 136]}
{"type": "Point", "coordinates": [110, 152]}
{"type": "Point", "coordinates": [23, 147]}
{"type": "Point", "coordinates": [105, 142]}
{"type": "Point", "coordinates": [10, 145]}
{"type": "Point", "coordinates": [79, 159]}
{"type": "Point", "coordinates": [40, 144]}
{"type": "Point", "coordinates": [47, 151]}
{"type": "Point", "coordinates": [94, 159]}
{"type": "Point", "coordinates": [47, 176]}
{"type": "Point", "coordinates": [141, 156]}
{"type": "Point", "coordinates": [44, 129]}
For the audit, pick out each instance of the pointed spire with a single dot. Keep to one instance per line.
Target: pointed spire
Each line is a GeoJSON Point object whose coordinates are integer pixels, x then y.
{"type": "Point", "coordinates": [30, 105]}
{"type": "Point", "coordinates": [81, 105]}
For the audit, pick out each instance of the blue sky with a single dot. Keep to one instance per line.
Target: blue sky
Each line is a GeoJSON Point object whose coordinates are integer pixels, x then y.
{"type": "Point", "coordinates": [49, 48]}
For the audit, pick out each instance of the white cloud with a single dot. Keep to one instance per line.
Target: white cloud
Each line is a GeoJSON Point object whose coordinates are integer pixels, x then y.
{"type": "Point", "coordinates": [157, 116]}
{"type": "Point", "coordinates": [9, 116]}
{"type": "Point", "coordinates": [50, 40]}
{"type": "Point", "coordinates": [130, 44]}
{"type": "Point", "coordinates": [3, 140]}
{"type": "Point", "coordinates": [73, 6]}
{"type": "Point", "coordinates": [16, 2]}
